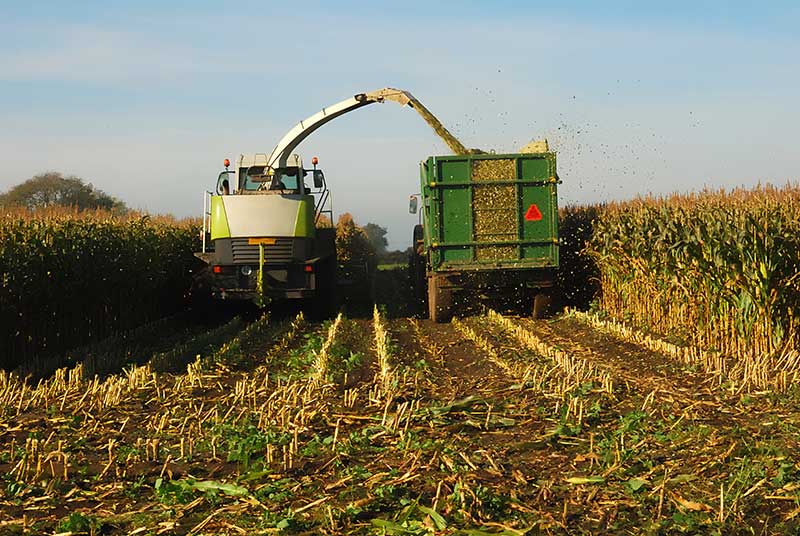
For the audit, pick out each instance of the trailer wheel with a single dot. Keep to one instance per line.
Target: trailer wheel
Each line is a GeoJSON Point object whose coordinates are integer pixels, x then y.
{"type": "Point", "coordinates": [541, 305]}
{"type": "Point", "coordinates": [440, 301]}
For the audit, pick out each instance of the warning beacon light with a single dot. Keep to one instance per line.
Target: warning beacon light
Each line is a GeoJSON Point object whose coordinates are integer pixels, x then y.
{"type": "Point", "coordinates": [314, 160]}
{"type": "Point", "coordinates": [227, 163]}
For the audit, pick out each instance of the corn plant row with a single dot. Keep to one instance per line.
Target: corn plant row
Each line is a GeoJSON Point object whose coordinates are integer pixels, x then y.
{"type": "Point", "coordinates": [287, 407]}
{"type": "Point", "coordinates": [384, 377]}
{"type": "Point", "coordinates": [69, 389]}
{"type": "Point", "coordinates": [494, 356]}
{"type": "Point", "coordinates": [319, 373]}
{"type": "Point", "coordinates": [716, 268]}
{"type": "Point", "coordinates": [570, 372]}
{"type": "Point", "coordinates": [182, 422]}
{"type": "Point", "coordinates": [295, 327]}
{"type": "Point", "coordinates": [712, 362]}
{"type": "Point", "coordinates": [202, 344]}
{"type": "Point", "coordinates": [71, 278]}
{"type": "Point", "coordinates": [549, 380]}
{"type": "Point", "coordinates": [772, 371]}
{"type": "Point", "coordinates": [73, 393]}
{"type": "Point", "coordinates": [545, 378]}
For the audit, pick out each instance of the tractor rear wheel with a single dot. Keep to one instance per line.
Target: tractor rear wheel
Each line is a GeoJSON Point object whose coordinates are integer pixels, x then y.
{"type": "Point", "coordinates": [440, 301]}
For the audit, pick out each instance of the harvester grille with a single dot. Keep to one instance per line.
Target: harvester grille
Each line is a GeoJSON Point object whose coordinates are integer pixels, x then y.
{"type": "Point", "coordinates": [246, 253]}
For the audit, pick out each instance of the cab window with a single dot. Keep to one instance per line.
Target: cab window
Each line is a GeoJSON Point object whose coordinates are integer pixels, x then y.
{"type": "Point", "coordinates": [287, 181]}
{"type": "Point", "coordinates": [249, 178]}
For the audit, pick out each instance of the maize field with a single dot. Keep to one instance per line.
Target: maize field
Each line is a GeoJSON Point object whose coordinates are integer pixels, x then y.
{"type": "Point", "coordinates": [667, 408]}
{"type": "Point", "coordinates": [70, 278]}
{"type": "Point", "coordinates": [713, 270]}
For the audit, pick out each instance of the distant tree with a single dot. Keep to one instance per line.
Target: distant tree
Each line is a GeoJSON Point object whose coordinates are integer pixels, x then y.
{"type": "Point", "coordinates": [395, 257]}
{"type": "Point", "coordinates": [52, 188]}
{"type": "Point", "coordinates": [352, 244]}
{"type": "Point", "coordinates": [377, 236]}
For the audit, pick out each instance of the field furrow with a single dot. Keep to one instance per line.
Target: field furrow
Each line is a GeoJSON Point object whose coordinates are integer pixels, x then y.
{"type": "Point", "coordinates": [397, 426]}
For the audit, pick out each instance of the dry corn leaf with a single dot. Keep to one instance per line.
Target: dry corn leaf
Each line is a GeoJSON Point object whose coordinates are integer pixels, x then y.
{"type": "Point", "coordinates": [691, 505]}
{"type": "Point", "coordinates": [586, 479]}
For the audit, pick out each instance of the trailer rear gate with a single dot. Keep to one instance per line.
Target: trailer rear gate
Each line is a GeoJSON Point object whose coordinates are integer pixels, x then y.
{"type": "Point", "coordinates": [491, 211]}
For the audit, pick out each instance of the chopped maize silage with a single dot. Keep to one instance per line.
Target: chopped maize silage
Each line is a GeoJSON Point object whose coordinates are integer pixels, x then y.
{"type": "Point", "coordinates": [494, 197]}
{"type": "Point", "coordinates": [494, 170]}
{"type": "Point", "coordinates": [494, 213]}
{"type": "Point", "coordinates": [494, 208]}
{"type": "Point", "coordinates": [455, 145]}
{"type": "Point", "coordinates": [496, 253]}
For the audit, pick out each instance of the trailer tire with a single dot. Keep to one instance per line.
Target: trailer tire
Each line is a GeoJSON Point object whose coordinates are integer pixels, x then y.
{"type": "Point", "coordinates": [440, 301]}
{"type": "Point", "coordinates": [542, 303]}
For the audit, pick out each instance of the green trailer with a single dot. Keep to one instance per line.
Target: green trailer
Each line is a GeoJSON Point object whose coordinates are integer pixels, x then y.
{"type": "Point", "coordinates": [489, 227]}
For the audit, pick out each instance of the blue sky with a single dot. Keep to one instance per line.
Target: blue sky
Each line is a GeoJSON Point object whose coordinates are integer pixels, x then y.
{"type": "Point", "coordinates": [145, 99]}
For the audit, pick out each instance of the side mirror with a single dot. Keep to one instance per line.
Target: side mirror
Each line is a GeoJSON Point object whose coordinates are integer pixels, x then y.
{"type": "Point", "coordinates": [412, 204]}
{"type": "Point", "coordinates": [319, 178]}
{"type": "Point", "coordinates": [223, 185]}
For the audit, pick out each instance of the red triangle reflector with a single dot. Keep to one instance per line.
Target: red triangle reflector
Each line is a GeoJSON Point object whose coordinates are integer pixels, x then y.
{"type": "Point", "coordinates": [533, 214]}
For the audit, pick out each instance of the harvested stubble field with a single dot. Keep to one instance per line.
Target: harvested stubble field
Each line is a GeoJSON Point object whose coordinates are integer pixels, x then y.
{"type": "Point", "coordinates": [490, 425]}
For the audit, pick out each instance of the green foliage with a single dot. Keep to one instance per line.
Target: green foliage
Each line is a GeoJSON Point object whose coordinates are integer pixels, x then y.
{"type": "Point", "coordinates": [133, 489]}
{"type": "Point", "coordinates": [184, 490]}
{"type": "Point", "coordinates": [276, 492]}
{"type": "Point", "coordinates": [377, 237]}
{"type": "Point", "coordinates": [299, 359]}
{"type": "Point", "coordinates": [53, 189]}
{"type": "Point", "coordinates": [247, 442]}
{"type": "Point", "coordinates": [77, 523]}
{"type": "Point", "coordinates": [413, 520]}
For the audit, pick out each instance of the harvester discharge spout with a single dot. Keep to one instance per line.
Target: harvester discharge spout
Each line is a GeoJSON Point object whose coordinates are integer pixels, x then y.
{"type": "Point", "coordinates": [281, 153]}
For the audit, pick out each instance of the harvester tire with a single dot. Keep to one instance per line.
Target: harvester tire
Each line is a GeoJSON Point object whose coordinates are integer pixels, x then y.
{"type": "Point", "coordinates": [323, 304]}
{"type": "Point", "coordinates": [440, 301]}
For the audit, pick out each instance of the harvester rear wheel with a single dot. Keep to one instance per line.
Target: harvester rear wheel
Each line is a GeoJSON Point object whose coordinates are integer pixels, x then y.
{"type": "Point", "coordinates": [323, 304]}
{"type": "Point", "coordinates": [440, 301]}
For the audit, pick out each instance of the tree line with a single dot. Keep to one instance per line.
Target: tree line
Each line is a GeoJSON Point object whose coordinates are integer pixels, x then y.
{"type": "Point", "coordinates": [54, 189]}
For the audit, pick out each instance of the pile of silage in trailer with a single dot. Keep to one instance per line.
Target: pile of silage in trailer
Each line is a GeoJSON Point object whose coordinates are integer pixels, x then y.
{"type": "Point", "coordinates": [494, 208]}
